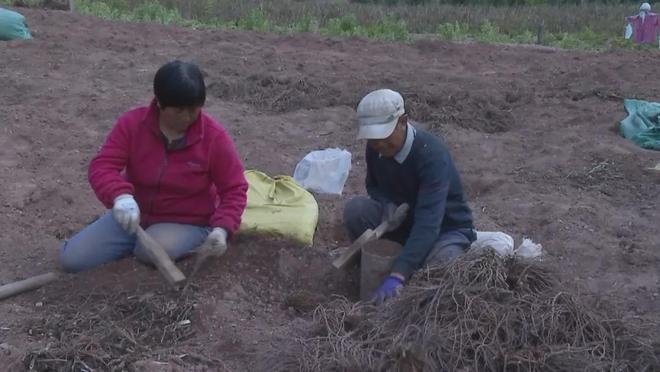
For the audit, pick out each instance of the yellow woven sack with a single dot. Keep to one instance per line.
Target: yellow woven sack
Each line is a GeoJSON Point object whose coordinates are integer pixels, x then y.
{"type": "Point", "coordinates": [279, 205]}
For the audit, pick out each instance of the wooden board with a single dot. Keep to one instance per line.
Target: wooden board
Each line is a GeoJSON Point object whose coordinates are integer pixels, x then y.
{"type": "Point", "coordinates": [160, 258]}
{"type": "Point", "coordinates": [350, 255]}
{"type": "Point", "coordinates": [28, 284]}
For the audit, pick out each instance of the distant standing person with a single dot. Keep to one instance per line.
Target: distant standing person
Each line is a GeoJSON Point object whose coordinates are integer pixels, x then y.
{"type": "Point", "coordinates": [645, 25]}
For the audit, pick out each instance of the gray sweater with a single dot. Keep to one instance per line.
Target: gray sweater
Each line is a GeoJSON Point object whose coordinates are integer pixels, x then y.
{"type": "Point", "coordinates": [428, 181]}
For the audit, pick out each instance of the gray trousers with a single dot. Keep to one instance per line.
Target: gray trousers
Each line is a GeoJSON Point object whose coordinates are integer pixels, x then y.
{"type": "Point", "coordinates": [105, 240]}
{"type": "Point", "coordinates": [362, 213]}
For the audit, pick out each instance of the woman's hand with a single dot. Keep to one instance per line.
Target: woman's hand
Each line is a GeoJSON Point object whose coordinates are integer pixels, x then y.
{"type": "Point", "coordinates": [126, 212]}
{"type": "Point", "coordinates": [217, 242]}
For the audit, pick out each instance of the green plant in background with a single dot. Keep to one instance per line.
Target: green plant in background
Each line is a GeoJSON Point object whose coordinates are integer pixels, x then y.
{"type": "Point", "coordinates": [525, 37]}
{"type": "Point", "coordinates": [490, 33]}
{"type": "Point", "coordinates": [256, 20]}
{"type": "Point", "coordinates": [153, 11]}
{"type": "Point", "coordinates": [487, 32]}
{"type": "Point", "coordinates": [344, 26]}
{"type": "Point", "coordinates": [564, 40]}
{"type": "Point", "coordinates": [30, 3]}
{"type": "Point", "coordinates": [117, 5]}
{"type": "Point", "coordinates": [147, 11]}
{"type": "Point", "coordinates": [205, 11]}
{"type": "Point", "coordinates": [586, 39]}
{"type": "Point", "coordinates": [619, 42]}
{"type": "Point", "coordinates": [453, 31]}
{"type": "Point", "coordinates": [389, 28]}
{"type": "Point", "coordinates": [586, 26]}
{"type": "Point", "coordinates": [304, 24]}
{"type": "Point", "coordinates": [101, 9]}
{"type": "Point", "coordinates": [98, 9]}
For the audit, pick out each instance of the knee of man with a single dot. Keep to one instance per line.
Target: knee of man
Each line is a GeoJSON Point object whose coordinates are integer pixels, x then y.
{"type": "Point", "coordinates": [354, 208]}
{"type": "Point", "coordinates": [445, 254]}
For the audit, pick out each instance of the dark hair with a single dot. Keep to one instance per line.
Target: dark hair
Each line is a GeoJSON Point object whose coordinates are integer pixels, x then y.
{"type": "Point", "coordinates": [179, 84]}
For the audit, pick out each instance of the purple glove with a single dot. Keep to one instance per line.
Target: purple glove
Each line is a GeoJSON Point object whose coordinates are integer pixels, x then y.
{"type": "Point", "coordinates": [390, 288]}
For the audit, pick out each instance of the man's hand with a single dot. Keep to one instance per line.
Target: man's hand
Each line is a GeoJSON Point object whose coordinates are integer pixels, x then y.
{"type": "Point", "coordinates": [390, 288]}
{"type": "Point", "coordinates": [395, 219]}
{"type": "Point", "coordinates": [388, 211]}
{"type": "Point", "coordinates": [217, 242]}
{"type": "Point", "coordinates": [126, 211]}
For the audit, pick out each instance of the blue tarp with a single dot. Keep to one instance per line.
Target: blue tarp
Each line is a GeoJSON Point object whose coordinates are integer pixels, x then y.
{"type": "Point", "coordinates": [642, 125]}
{"type": "Point", "coordinates": [12, 25]}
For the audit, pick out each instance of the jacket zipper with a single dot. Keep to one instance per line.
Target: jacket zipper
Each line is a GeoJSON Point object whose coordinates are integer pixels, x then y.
{"type": "Point", "coordinates": [161, 170]}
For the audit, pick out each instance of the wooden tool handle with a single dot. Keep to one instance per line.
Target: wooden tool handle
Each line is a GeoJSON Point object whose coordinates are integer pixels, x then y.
{"type": "Point", "coordinates": [394, 222]}
{"type": "Point", "coordinates": [351, 253]}
{"type": "Point", "coordinates": [159, 257]}
{"type": "Point", "coordinates": [28, 284]}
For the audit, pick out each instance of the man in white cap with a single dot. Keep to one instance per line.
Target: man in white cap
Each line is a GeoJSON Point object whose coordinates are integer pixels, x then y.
{"type": "Point", "coordinates": [406, 164]}
{"type": "Point", "coordinates": [646, 25]}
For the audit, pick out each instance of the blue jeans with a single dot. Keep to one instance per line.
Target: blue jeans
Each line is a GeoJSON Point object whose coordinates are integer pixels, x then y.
{"type": "Point", "coordinates": [362, 213]}
{"type": "Point", "coordinates": [105, 240]}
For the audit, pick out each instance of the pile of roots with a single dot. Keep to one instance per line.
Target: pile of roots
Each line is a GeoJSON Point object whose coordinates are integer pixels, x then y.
{"type": "Point", "coordinates": [481, 312]}
{"type": "Point", "coordinates": [110, 333]}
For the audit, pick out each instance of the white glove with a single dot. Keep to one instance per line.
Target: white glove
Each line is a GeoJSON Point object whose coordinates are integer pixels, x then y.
{"type": "Point", "coordinates": [127, 212]}
{"type": "Point", "coordinates": [394, 214]}
{"type": "Point", "coordinates": [388, 215]}
{"type": "Point", "coordinates": [217, 242]}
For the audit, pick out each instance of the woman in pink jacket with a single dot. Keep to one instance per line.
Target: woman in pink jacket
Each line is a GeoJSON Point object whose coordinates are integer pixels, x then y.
{"type": "Point", "coordinates": [645, 25]}
{"type": "Point", "coordinates": [168, 167]}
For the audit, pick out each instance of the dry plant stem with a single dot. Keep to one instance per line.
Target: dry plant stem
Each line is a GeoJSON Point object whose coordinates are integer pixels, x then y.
{"type": "Point", "coordinates": [479, 312]}
{"type": "Point", "coordinates": [110, 333]}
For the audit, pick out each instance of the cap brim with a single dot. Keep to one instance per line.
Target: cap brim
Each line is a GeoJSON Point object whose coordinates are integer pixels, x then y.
{"type": "Point", "coordinates": [376, 131]}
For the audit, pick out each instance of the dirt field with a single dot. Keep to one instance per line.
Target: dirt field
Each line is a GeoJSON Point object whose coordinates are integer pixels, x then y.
{"type": "Point", "coordinates": [533, 131]}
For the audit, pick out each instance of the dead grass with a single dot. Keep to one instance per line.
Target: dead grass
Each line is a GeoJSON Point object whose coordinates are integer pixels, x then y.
{"type": "Point", "coordinates": [480, 313]}
{"type": "Point", "coordinates": [110, 333]}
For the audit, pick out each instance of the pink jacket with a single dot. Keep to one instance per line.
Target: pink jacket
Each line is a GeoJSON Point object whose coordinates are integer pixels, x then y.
{"type": "Point", "coordinates": [645, 31]}
{"type": "Point", "coordinates": [201, 183]}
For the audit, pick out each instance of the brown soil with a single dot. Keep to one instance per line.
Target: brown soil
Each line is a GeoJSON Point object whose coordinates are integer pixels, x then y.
{"type": "Point", "coordinates": [533, 131]}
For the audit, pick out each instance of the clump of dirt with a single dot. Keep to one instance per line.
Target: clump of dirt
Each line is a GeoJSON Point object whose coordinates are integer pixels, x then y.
{"type": "Point", "coordinates": [479, 312]}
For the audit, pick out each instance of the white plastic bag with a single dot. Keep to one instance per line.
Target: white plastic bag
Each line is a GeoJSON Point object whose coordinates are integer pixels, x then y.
{"type": "Point", "coordinates": [324, 171]}
{"type": "Point", "coordinates": [500, 242]}
{"type": "Point", "coordinates": [629, 31]}
{"type": "Point", "coordinates": [529, 249]}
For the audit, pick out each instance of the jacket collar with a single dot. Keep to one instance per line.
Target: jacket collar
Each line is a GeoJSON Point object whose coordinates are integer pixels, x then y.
{"type": "Point", "coordinates": [402, 155]}
{"type": "Point", "coordinates": [195, 131]}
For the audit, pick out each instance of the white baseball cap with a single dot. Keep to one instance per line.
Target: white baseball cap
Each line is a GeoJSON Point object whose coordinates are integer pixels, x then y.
{"type": "Point", "coordinates": [645, 6]}
{"type": "Point", "coordinates": [378, 112]}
